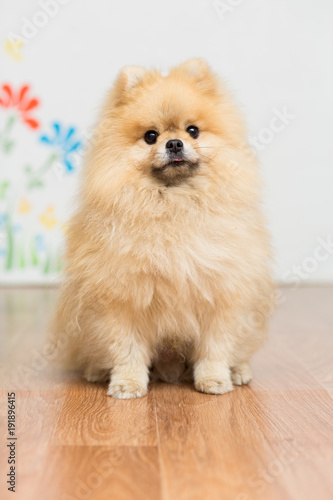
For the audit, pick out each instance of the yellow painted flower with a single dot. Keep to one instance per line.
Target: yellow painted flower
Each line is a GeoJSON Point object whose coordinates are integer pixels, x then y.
{"type": "Point", "coordinates": [48, 219]}
{"type": "Point", "coordinates": [24, 206]}
{"type": "Point", "coordinates": [13, 49]}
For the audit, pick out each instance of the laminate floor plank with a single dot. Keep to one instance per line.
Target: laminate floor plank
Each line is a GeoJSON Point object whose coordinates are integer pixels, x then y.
{"type": "Point", "coordinates": [100, 473]}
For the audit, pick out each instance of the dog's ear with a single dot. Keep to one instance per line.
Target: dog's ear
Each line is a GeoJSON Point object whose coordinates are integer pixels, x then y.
{"type": "Point", "coordinates": [199, 72]}
{"type": "Point", "coordinates": [197, 68]}
{"type": "Point", "coordinates": [128, 78]}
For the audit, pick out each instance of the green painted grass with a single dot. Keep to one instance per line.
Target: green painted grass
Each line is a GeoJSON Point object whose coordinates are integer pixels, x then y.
{"type": "Point", "coordinates": [23, 255]}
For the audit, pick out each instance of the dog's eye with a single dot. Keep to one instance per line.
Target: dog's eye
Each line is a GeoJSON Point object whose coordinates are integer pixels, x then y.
{"type": "Point", "coordinates": [193, 131]}
{"type": "Point", "coordinates": [151, 136]}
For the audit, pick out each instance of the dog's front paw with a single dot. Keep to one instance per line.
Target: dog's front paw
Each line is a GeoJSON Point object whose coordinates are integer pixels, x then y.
{"type": "Point", "coordinates": [214, 385]}
{"type": "Point", "coordinates": [241, 374]}
{"type": "Point", "coordinates": [126, 389]}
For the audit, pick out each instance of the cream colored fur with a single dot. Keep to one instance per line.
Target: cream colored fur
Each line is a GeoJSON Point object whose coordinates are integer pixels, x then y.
{"type": "Point", "coordinates": [181, 269]}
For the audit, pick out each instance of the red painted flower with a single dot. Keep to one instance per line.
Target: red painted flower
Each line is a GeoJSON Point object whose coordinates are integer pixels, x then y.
{"type": "Point", "coordinates": [20, 100]}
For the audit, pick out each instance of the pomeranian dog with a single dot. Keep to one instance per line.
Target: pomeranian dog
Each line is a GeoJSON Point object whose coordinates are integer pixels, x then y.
{"type": "Point", "coordinates": [168, 260]}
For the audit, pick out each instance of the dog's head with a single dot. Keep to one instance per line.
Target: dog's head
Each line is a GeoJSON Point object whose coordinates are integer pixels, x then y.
{"type": "Point", "coordinates": [166, 131]}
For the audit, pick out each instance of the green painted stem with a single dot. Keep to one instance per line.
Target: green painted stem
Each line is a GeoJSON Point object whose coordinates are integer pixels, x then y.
{"type": "Point", "coordinates": [36, 176]}
{"type": "Point", "coordinates": [10, 245]}
{"type": "Point", "coordinates": [47, 164]}
{"type": "Point", "coordinates": [7, 129]}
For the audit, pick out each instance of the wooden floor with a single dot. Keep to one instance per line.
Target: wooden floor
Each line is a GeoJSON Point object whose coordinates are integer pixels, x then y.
{"type": "Point", "coordinates": [272, 440]}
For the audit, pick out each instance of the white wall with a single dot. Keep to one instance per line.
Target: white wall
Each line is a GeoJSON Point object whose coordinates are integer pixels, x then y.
{"type": "Point", "coordinates": [275, 54]}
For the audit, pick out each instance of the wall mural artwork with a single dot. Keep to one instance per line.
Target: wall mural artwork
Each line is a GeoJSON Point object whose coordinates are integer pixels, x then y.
{"type": "Point", "coordinates": [35, 159]}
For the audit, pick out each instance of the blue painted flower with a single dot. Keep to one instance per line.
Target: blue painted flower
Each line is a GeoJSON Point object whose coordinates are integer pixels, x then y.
{"type": "Point", "coordinates": [17, 228]}
{"type": "Point", "coordinates": [40, 242]}
{"type": "Point", "coordinates": [63, 139]}
{"type": "Point", "coordinates": [3, 220]}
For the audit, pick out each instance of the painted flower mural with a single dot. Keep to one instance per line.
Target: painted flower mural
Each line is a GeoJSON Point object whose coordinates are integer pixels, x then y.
{"type": "Point", "coordinates": [20, 105]}
{"type": "Point", "coordinates": [63, 144]}
{"type": "Point", "coordinates": [31, 220]}
{"type": "Point", "coordinates": [20, 101]}
{"type": "Point", "coordinates": [64, 141]}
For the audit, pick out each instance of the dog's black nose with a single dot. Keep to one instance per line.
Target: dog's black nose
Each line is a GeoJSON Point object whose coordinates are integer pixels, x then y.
{"type": "Point", "coordinates": [174, 145]}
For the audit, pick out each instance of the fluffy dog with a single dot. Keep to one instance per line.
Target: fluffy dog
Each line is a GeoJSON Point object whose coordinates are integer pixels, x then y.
{"type": "Point", "coordinates": [168, 259]}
